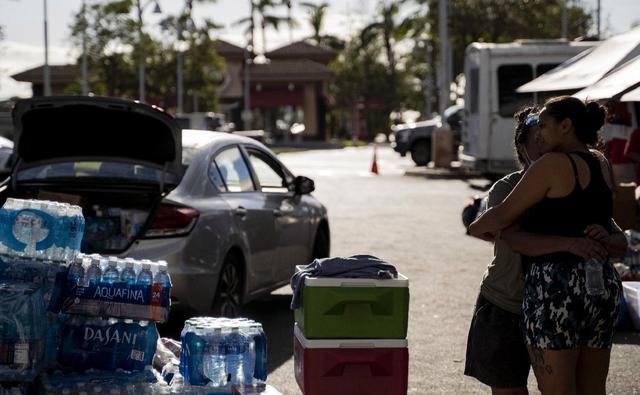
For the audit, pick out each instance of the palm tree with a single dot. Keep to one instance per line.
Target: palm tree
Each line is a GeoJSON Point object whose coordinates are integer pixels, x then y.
{"type": "Point", "coordinates": [315, 14]}
{"type": "Point", "coordinates": [267, 20]}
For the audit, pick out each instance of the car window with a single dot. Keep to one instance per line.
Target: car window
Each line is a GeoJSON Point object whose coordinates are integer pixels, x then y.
{"type": "Point", "coordinates": [510, 77]}
{"type": "Point", "coordinates": [269, 173]}
{"type": "Point", "coordinates": [95, 169]}
{"type": "Point", "coordinates": [233, 170]}
{"type": "Point", "coordinates": [216, 177]}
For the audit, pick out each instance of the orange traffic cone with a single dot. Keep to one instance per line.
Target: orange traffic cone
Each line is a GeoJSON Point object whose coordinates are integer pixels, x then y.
{"type": "Point", "coordinates": [374, 165]}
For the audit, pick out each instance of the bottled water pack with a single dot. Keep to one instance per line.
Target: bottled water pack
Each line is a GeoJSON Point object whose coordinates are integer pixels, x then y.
{"type": "Point", "coordinates": [39, 229]}
{"type": "Point", "coordinates": [221, 351]}
{"type": "Point", "coordinates": [106, 344]}
{"type": "Point", "coordinates": [96, 382]}
{"type": "Point", "coordinates": [112, 287]}
{"type": "Point", "coordinates": [22, 331]}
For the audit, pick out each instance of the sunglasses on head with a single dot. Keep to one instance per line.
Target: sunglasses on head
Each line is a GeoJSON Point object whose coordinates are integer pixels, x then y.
{"type": "Point", "coordinates": [532, 120]}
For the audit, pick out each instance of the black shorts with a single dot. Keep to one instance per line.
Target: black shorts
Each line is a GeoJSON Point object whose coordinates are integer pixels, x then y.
{"type": "Point", "coordinates": [496, 353]}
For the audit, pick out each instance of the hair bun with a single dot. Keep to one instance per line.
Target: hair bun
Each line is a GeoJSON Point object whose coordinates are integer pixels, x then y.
{"type": "Point", "coordinates": [595, 115]}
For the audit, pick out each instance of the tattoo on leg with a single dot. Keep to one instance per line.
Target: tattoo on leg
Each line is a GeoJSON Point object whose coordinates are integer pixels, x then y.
{"type": "Point", "coordinates": [538, 363]}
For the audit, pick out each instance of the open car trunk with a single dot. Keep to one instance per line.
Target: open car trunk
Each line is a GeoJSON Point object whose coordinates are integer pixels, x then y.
{"type": "Point", "coordinates": [114, 219]}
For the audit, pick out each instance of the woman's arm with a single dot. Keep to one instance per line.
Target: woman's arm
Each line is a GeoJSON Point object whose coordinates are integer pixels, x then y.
{"type": "Point", "coordinates": [533, 244]}
{"type": "Point", "coordinates": [531, 189]}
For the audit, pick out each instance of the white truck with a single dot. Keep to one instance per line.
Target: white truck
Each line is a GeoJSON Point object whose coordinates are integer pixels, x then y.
{"type": "Point", "coordinates": [493, 73]}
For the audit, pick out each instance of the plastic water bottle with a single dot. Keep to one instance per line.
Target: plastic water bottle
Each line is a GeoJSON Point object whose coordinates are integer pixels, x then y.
{"type": "Point", "coordinates": [76, 270]}
{"type": "Point", "coordinates": [163, 276]}
{"type": "Point", "coordinates": [94, 272]}
{"type": "Point", "coordinates": [128, 273]}
{"type": "Point", "coordinates": [235, 349]}
{"type": "Point", "coordinates": [260, 347]}
{"type": "Point", "coordinates": [594, 280]}
{"type": "Point", "coordinates": [195, 343]}
{"type": "Point", "coordinates": [145, 277]}
{"type": "Point", "coordinates": [76, 230]}
{"type": "Point", "coordinates": [213, 359]}
{"type": "Point", "coordinates": [111, 274]}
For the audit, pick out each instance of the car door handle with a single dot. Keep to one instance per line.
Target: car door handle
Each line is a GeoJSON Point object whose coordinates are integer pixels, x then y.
{"type": "Point", "coordinates": [277, 213]}
{"type": "Point", "coordinates": [240, 212]}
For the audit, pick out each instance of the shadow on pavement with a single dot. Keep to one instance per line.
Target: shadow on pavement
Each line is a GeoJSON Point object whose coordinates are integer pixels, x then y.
{"type": "Point", "coordinates": [272, 311]}
{"type": "Point", "coordinates": [626, 337]}
{"type": "Point", "coordinates": [277, 320]}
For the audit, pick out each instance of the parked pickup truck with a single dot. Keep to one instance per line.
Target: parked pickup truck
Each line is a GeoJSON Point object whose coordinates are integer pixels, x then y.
{"type": "Point", "coordinates": [415, 138]}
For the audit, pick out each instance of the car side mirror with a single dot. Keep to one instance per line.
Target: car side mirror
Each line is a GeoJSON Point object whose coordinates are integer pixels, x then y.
{"type": "Point", "coordinates": [303, 185]}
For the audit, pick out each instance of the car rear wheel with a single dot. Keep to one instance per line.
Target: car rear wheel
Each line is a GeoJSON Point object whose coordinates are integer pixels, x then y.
{"type": "Point", "coordinates": [227, 302]}
{"type": "Point", "coordinates": [421, 152]}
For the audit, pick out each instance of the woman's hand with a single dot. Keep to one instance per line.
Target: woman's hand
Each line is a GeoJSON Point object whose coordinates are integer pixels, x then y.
{"type": "Point", "coordinates": [598, 233]}
{"type": "Point", "coordinates": [587, 248]}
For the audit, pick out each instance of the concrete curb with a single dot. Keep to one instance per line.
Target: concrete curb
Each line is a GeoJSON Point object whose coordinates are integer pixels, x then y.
{"type": "Point", "coordinates": [442, 173]}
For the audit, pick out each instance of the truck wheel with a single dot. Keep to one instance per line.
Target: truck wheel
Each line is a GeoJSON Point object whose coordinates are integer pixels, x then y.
{"type": "Point", "coordinates": [421, 152]}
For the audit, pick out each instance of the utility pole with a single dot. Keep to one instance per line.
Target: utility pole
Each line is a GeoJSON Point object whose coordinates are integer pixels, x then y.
{"type": "Point", "coordinates": [47, 74]}
{"type": "Point", "coordinates": [85, 82]}
{"type": "Point", "coordinates": [141, 57]}
{"type": "Point", "coordinates": [428, 81]}
{"type": "Point", "coordinates": [246, 111]}
{"type": "Point", "coordinates": [444, 73]}
{"type": "Point", "coordinates": [598, 18]}
{"type": "Point", "coordinates": [564, 19]}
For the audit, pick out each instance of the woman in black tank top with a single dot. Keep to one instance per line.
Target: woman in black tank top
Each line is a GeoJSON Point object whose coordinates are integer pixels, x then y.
{"type": "Point", "coordinates": [565, 193]}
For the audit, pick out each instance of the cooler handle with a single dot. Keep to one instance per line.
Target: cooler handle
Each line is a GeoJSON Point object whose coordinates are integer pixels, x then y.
{"type": "Point", "coordinates": [367, 368]}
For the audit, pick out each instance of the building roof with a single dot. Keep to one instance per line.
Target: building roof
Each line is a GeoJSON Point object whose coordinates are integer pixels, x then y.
{"type": "Point", "coordinates": [228, 50]}
{"type": "Point", "coordinates": [60, 74]}
{"type": "Point", "coordinates": [290, 70]}
{"type": "Point", "coordinates": [303, 50]}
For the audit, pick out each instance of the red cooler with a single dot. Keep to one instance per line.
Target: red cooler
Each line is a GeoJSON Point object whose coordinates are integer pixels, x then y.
{"type": "Point", "coordinates": [351, 367]}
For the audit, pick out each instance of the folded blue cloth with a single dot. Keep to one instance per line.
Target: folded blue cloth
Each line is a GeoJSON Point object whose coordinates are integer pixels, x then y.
{"type": "Point", "coordinates": [357, 266]}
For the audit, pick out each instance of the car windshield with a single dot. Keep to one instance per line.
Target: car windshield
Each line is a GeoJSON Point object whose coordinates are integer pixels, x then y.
{"type": "Point", "coordinates": [95, 169]}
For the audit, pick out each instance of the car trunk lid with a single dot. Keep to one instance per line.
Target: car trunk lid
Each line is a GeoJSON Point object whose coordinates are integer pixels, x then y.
{"type": "Point", "coordinates": [87, 128]}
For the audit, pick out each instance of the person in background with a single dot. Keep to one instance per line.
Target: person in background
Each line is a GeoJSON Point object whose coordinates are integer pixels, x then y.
{"type": "Point", "coordinates": [632, 152]}
{"type": "Point", "coordinates": [566, 193]}
{"type": "Point", "coordinates": [496, 352]}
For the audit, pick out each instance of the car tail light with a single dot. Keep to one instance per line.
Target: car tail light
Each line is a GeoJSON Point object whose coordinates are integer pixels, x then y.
{"type": "Point", "coordinates": [172, 220]}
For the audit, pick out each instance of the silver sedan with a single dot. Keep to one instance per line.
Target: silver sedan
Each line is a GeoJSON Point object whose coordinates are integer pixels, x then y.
{"type": "Point", "coordinates": [230, 219]}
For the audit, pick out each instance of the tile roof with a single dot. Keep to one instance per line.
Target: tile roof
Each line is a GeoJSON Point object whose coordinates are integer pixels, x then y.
{"type": "Point", "coordinates": [65, 74]}
{"type": "Point", "coordinates": [302, 50]}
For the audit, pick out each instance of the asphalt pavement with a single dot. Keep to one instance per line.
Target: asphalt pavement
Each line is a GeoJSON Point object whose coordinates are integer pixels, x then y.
{"type": "Point", "coordinates": [414, 223]}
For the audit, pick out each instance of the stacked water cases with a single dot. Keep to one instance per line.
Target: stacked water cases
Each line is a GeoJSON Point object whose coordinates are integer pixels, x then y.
{"type": "Point", "coordinates": [64, 310]}
{"type": "Point", "coordinates": [36, 238]}
{"type": "Point", "coordinates": [350, 336]}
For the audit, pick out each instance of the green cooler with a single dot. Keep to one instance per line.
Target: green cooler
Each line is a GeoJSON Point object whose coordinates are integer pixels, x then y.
{"type": "Point", "coordinates": [354, 308]}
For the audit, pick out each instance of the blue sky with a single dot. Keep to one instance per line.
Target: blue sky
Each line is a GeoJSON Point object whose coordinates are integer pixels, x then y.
{"type": "Point", "coordinates": [23, 22]}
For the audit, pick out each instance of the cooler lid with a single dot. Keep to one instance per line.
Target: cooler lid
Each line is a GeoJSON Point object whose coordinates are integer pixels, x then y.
{"type": "Point", "coordinates": [348, 343]}
{"type": "Point", "coordinates": [400, 282]}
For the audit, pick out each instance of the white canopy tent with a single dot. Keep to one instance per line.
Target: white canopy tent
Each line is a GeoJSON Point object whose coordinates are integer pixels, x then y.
{"type": "Point", "coordinates": [624, 77]}
{"type": "Point", "coordinates": [588, 67]}
{"type": "Point", "coordinates": [634, 95]}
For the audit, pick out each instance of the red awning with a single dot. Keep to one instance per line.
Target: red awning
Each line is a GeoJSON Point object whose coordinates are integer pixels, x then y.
{"type": "Point", "coordinates": [276, 98]}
